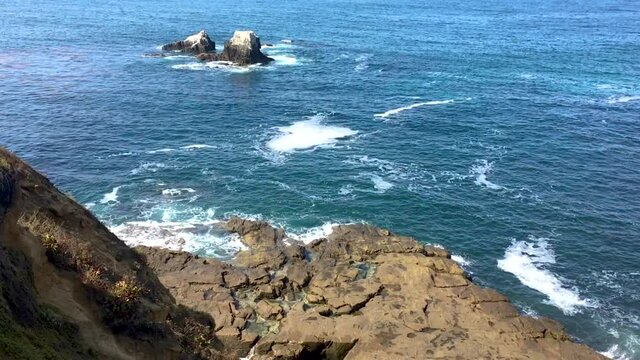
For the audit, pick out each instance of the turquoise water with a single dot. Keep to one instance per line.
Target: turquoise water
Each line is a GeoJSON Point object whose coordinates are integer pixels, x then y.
{"type": "Point", "coordinates": [508, 133]}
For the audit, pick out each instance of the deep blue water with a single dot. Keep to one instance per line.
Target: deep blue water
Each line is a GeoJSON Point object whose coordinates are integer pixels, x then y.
{"type": "Point", "coordinates": [515, 143]}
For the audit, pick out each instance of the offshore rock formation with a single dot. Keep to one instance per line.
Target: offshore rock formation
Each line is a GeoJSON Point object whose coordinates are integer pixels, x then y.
{"type": "Point", "coordinates": [196, 44]}
{"type": "Point", "coordinates": [70, 289]}
{"type": "Point", "coordinates": [242, 49]}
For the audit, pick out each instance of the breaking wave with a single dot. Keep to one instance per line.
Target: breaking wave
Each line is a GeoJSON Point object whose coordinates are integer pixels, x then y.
{"type": "Point", "coordinates": [308, 134]}
{"type": "Point", "coordinates": [314, 233]}
{"type": "Point", "coordinates": [200, 238]}
{"type": "Point", "coordinates": [480, 170]}
{"type": "Point", "coordinates": [175, 192]}
{"type": "Point", "coordinates": [111, 197]}
{"type": "Point", "coordinates": [380, 184]}
{"type": "Point", "coordinates": [528, 261]}
{"type": "Point", "coordinates": [198, 146]}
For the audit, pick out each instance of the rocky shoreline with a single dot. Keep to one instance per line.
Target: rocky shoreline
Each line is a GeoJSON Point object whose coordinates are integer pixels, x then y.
{"type": "Point", "coordinates": [71, 289]}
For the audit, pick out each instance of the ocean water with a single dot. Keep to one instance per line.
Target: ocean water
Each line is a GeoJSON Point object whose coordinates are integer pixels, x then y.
{"type": "Point", "coordinates": [508, 132]}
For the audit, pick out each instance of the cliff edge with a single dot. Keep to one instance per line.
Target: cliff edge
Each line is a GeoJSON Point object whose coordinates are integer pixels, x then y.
{"type": "Point", "coordinates": [71, 289]}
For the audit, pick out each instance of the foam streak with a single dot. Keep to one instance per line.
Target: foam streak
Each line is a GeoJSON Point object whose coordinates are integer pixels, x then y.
{"type": "Point", "coordinates": [527, 260]}
{"type": "Point", "coordinates": [412, 106]}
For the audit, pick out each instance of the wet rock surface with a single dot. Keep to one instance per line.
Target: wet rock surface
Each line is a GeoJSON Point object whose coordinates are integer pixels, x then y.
{"type": "Point", "coordinates": [361, 293]}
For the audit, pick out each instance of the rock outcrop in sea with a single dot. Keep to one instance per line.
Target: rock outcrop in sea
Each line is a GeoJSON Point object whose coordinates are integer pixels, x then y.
{"type": "Point", "coordinates": [242, 49]}
{"type": "Point", "coordinates": [198, 43]}
{"type": "Point", "coordinates": [71, 289]}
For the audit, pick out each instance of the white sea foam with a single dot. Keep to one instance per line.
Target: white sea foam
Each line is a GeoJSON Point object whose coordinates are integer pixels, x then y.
{"type": "Point", "coordinates": [380, 184]}
{"type": "Point", "coordinates": [284, 59]}
{"type": "Point", "coordinates": [528, 310]}
{"type": "Point", "coordinates": [408, 175]}
{"type": "Point", "coordinates": [200, 238]}
{"type": "Point", "coordinates": [175, 192]}
{"type": "Point", "coordinates": [308, 134]}
{"type": "Point", "coordinates": [362, 62]}
{"type": "Point", "coordinates": [191, 66]}
{"type": "Point", "coordinates": [615, 353]}
{"type": "Point", "coordinates": [527, 260]}
{"type": "Point", "coordinates": [412, 106]}
{"type": "Point", "coordinates": [314, 233]}
{"type": "Point", "coordinates": [282, 54]}
{"type": "Point", "coordinates": [286, 41]}
{"type": "Point", "coordinates": [127, 153]}
{"type": "Point", "coordinates": [480, 170]}
{"type": "Point", "coordinates": [166, 150]}
{"type": "Point", "coordinates": [278, 47]}
{"type": "Point", "coordinates": [187, 147]}
{"type": "Point", "coordinates": [216, 65]}
{"type": "Point", "coordinates": [176, 57]}
{"type": "Point", "coordinates": [198, 146]}
{"type": "Point", "coordinates": [623, 99]}
{"type": "Point", "coordinates": [148, 167]}
{"type": "Point", "coordinates": [460, 260]}
{"type": "Point", "coordinates": [361, 67]}
{"type": "Point", "coordinates": [111, 197]}
{"type": "Point", "coordinates": [346, 190]}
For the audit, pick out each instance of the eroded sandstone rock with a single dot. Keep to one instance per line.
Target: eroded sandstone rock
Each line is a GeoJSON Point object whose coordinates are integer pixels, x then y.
{"type": "Point", "coordinates": [361, 293]}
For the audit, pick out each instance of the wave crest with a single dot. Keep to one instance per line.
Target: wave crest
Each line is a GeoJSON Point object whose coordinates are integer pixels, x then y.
{"type": "Point", "coordinates": [412, 106]}
{"type": "Point", "coordinates": [527, 260]}
{"type": "Point", "coordinates": [308, 134]}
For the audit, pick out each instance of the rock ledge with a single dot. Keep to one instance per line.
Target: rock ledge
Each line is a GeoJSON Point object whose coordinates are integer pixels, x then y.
{"type": "Point", "coordinates": [361, 293]}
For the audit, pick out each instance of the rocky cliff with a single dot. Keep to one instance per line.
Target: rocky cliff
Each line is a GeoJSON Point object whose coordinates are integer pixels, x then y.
{"type": "Point", "coordinates": [71, 289]}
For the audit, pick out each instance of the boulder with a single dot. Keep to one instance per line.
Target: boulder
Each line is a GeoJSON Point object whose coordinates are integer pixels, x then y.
{"type": "Point", "coordinates": [244, 49]}
{"type": "Point", "coordinates": [199, 43]}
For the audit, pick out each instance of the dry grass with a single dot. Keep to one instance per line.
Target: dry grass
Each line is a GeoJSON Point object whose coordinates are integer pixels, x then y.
{"type": "Point", "coordinates": [66, 251]}
{"type": "Point", "coordinates": [4, 162]}
{"type": "Point", "coordinates": [126, 291]}
{"type": "Point", "coordinates": [50, 232]}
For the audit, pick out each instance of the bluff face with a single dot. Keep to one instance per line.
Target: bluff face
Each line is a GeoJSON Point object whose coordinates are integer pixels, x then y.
{"type": "Point", "coordinates": [71, 289]}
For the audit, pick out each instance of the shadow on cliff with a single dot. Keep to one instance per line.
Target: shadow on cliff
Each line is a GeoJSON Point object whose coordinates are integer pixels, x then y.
{"type": "Point", "coordinates": [71, 289]}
